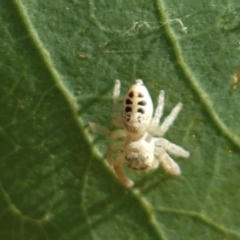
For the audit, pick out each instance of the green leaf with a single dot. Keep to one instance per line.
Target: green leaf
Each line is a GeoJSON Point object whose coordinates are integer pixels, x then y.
{"type": "Point", "coordinates": [59, 60]}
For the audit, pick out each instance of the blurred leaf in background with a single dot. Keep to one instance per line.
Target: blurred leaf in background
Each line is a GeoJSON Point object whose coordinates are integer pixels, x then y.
{"type": "Point", "coordinates": [59, 60]}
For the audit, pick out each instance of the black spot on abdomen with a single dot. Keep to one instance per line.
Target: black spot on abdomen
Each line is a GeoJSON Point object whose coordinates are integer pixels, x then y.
{"type": "Point", "coordinates": [128, 101]}
{"type": "Point", "coordinates": [131, 94]}
{"type": "Point", "coordinates": [142, 103]}
{"type": "Point", "coordinates": [140, 110]}
{"type": "Point", "coordinates": [128, 109]}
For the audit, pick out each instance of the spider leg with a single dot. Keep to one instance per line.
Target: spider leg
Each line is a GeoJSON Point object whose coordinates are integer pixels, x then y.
{"type": "Point", "coordinates": [156, 163]}
{"type": "Point", "coordinates": [99, 129]}
{"type": "Point", "coordinates": [118, 134]}
{"type": "Point", "coordinates": [171, 147]}
{"type": "Point", "coordinates": [94, 127]}
{"type": "Point", "coordinates": [158, 112]}
{"type": "Point", "coordinates": [168, 121]}
{"type": "Point", "coordinates": [116, 92]}
{"type": "Point", "coordinates": [121, 175]}
{"type": "Point", "coordinates": [113, 148]}
{"type": "Point", "coordinates": [168, 163]}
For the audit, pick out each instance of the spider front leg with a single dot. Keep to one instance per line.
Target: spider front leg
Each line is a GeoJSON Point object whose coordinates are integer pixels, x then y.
{"type": "Point", "coordinates": [168, 121]}
{"type": "Point", "coordinates": [115, 115]}
{"type": "Point", "coordinates": [112, 149]}
{"type": "Point", "coordinates": [117, 165]}
{"type": "Point", "coordinates": [94, 127]}
{"type": "Point", "coordinates": [171, 147]}
{"type": "Point", "coordinates": [168, 163]}
{"type": "Point", "coordinates": [158, 112]}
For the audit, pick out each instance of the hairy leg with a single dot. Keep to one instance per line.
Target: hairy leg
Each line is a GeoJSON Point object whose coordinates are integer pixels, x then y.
{"type": "Point", "coordinates": [168, 121]}
{"type": "Point", "coordinates": [121, 175]}
{"type": "Point", "coordinates": [156, 163]}
{"type": "Point", "coordinates": [94, 127]}
{"type": "Point", "coordinates": [115, 114]}
{"type": "Point", "coordinates": [112, 149]}
{"type": "Point", "coordinates": [99, 129]}
{"type": "Point", "coordinates": [171, 147]}
{"type": "Point", "coordinates": [158, 112]}
{"type": "Point", "coordinates": [167, 162]}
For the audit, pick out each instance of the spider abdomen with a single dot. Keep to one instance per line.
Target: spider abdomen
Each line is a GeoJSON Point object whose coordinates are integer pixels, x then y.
{"type": "Point", "coordinates": [139, 155]}
{"type": "Point", "coordinates": [137, 108]}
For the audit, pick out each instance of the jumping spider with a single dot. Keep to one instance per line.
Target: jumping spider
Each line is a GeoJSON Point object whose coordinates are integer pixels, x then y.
{"type": "Point", "coordinates": [143, 147]}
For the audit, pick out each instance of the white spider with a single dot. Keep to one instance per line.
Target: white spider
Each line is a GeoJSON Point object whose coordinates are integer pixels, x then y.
{"type": "Point", "coordinates": [141, 150]}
